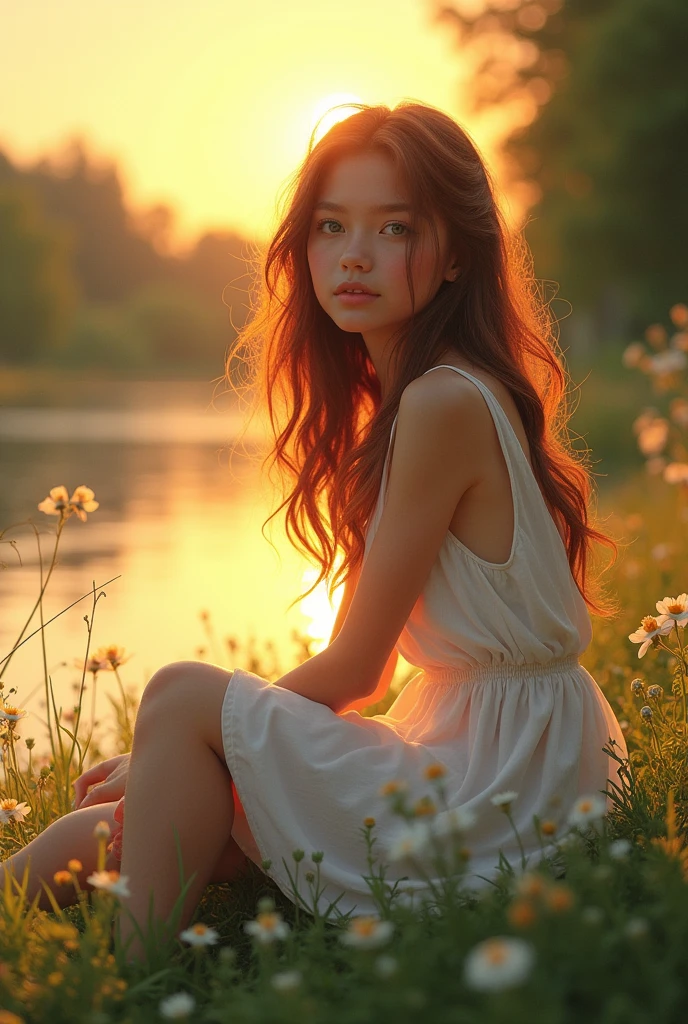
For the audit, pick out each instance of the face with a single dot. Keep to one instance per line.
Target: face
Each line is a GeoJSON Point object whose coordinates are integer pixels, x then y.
{"type": "Point", "coordinates": [359, 234]}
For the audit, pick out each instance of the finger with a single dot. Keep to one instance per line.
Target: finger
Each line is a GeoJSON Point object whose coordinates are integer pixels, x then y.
{"type": "Point", "coordinates": [94, 775]}
{"type": "Point", "coordinates": [98, 795]}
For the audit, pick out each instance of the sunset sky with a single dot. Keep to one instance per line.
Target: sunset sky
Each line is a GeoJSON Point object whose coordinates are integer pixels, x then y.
{"type": "Point", "coordinates": [207, 105]}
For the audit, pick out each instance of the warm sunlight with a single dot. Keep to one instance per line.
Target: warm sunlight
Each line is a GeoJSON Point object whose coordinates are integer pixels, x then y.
{"type": "Point", "coordinates": [316, 607]}
{"type": "Point", "coordinates": [329, 116]}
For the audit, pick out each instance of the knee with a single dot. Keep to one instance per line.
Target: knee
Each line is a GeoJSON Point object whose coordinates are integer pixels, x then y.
{"type": "Point", "coordinates": [169, 685]}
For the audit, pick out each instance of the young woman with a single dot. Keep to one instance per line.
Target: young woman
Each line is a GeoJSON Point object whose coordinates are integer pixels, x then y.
{"type": "Point", "coordinates": [425, 436]}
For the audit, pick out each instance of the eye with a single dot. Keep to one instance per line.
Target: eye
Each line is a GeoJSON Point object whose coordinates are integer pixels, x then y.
{"type": "Point", "coordinates": [398, 224]}
{"type": "Point", "coordinates": [328, 220]}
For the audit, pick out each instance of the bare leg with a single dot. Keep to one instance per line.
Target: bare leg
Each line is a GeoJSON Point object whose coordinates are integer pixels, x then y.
{"type": "Point", "coordinates": [178, 780]}
{"type": "Point", "coordinates": [69, 837]}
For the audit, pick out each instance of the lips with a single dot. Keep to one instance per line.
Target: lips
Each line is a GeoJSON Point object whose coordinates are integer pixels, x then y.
{"type": "Point", "coordinates": [354, 288]}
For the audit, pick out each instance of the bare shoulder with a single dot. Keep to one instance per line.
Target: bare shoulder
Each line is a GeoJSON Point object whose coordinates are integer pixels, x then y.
{"type": "Point", "coordinates": [444, 408]}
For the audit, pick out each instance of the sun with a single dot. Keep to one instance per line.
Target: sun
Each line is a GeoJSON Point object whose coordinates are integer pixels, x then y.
{"type": "Point", "coordinates": [330, 117]}
{"type": "Point", "coordinates": [316, 607]}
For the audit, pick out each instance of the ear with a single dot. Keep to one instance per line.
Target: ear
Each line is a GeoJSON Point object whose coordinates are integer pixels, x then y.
{"type": "Point", "coordinates": [453, 271]}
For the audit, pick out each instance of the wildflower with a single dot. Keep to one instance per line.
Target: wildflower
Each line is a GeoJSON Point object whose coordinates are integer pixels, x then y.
{"type": "Point", "coordinates": [548, 828]}
{"type": "Point", "coordinates": [199, 935]}
{"type": "Point", "coordinates": [435, 771]}
{"type": "Point", "coordinates": [504, 800]}
{"type": "Point", "coordinates": [12, 714]}
{"type": "Point", "coordinates": [110, 881]}
{"type": "Point", "coordinates": [653, 436]}
{"type": "Point", "coordinates": [678, 409]}
{"type": "Point", "coordinates": [655, 691]}
{"type": "Point", "coordinates": [367, 932]}
{"type": "Point", "coordinates": [670, 361]}
{"type": "Point", "coordinates": [392, 788]}
{"type": "Point", "coordinates": [646, 712]}
{"type": "Point", "coordinates": [409, 841]}
{"type": "Point", "coordinates": [531, 885]}
{"type": "Point", "coordinates": [559, 898]}
{"type": "Point", "coordinates": [75, 865]}
{"type": "Point", "coordinates": [650, 627]}
{"type": "Point", "coordinates": [498, 963]}
{"type": "Point", "coordinates": [286, 981]}
{"type": "Point", "coordinates": [95, 664]}
{"type": "Point", "coordinates": [386, 966]}
{"type": "Point", "coordinates": [636, 927]}
{"type": "Point", "coordinates": [177, 1007]}
{"type": "Point", "coordinates": [424, 806]}
{"type": "Point", "coordinates": [679, 314]}
{"type": "Point", "coordinates": [62, 878]}
{"type": "Point", "coordinates": [11, 810]}
{"type": "Point", "coordinates": [588, 810]}
{"type": "Point", "coordinates": [267, 927]}
{"type": "Point", "coordinates": [592, 915]}
{"type": "Point", "coordinates": [637, 686]}
{"type": "Point", "coordinates": [102, 830]}
{"type": "Point", "coordinates": [455, 820]}
{"type": "Point", "coordinates": [676, 473]}
{"type": "Point", "coordinates": [7, 1017]}
{"type": "Point", "coordinates": [369, 822]}
{"type": "Point", "coordinates": [674, 609]}
{"type": "Point", "coordinates": [656, 334]}
{"type": "Point", "coordinates": [632, 354]}
{"type": "Point", "coordinates": [521, 914]}
{"type": "Point", "coordinates": [59, 504]}
{"type": "Point", "coordinates": [619, 849]}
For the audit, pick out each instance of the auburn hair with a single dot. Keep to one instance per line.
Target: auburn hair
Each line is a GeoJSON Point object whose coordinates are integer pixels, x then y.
{"type": "Point", "coordinates": [330, 425]}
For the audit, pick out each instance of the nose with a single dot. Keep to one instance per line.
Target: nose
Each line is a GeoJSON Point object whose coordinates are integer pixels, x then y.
{"type": "Point", "coordinates": [354, 255]}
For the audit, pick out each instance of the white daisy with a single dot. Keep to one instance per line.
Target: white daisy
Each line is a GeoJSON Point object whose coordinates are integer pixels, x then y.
{"type": "Point", "coordinates": [110, 881]}
{"type": "Point", "coordinates": [498, 963]}
{"type": "Point", "coordinates": [286, 981]}
{"type": "Point", "coordinates": [504, 800]}
{"type": "Point", "coordinates": [409, 841]}
{"type": "Point", "coordinates": [10, 810]}
{"type": "Point", "coordinates": [453, 822]}
{"type": "Point", "coordinates": [674, 609]}
{"type": "Point", "coordinates": [588, 810]}
{"type": "Point", "coordinates": [12, 714]}
{"type": "Point", "coordinates": [199, 935]}
{"type": "Point", "coordinates": [367, 932]}
{"type": "Point", "coordinates": [619, 849]}
{"type": "Point", "coordinates": [650, 627]}
{"type": "Point", "coordinates": [267, 927]}
{"type": "Point", "coordinates": [177, 1007]}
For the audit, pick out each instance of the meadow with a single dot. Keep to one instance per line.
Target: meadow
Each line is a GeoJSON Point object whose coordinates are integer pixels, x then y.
{"type": "Point", "coordinates": [596, 933]}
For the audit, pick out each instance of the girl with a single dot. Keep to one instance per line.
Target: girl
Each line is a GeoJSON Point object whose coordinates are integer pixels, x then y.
{"type": "Point", "coordinates": [425, 406]}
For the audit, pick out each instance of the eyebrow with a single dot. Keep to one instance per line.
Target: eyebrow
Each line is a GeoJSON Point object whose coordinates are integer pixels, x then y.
{"type": "Point", "coordinates": [384, 208]}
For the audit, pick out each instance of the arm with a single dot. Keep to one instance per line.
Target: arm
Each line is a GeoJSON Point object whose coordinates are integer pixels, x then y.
{"type": "Point", "coordinates": [436, 458]}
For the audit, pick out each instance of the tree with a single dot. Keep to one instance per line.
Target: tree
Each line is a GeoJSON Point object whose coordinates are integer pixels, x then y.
{"type": "Point", "coordinates": [39, 293]}
{"type": "Point", "coordinates": [606, 146]}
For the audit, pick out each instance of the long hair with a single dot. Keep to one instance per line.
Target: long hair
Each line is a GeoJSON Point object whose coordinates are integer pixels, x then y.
{"type": "Point", "coordinates": [319, 385]}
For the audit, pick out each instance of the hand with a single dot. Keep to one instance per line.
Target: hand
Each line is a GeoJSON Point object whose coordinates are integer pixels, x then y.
{"type": "Point", "coordinates": [108, 778]}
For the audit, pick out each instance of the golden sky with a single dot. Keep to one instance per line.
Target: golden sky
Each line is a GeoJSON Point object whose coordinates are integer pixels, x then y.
{"type": "Point", "coordinates": [207, 105]}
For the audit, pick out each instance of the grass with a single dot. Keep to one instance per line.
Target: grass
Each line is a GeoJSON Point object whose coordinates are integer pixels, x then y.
{"type": "Point", "coordinates": [596, 933]}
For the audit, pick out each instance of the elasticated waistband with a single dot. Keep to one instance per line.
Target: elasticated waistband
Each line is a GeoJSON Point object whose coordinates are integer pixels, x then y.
{"type": "Point", "coordinates": [504, 670]}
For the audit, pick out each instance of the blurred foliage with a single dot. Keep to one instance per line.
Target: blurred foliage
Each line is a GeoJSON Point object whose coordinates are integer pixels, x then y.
{"type": "Point", "coordinates": [39, 292]}
{"type": "Point", "coordinates": [86, 281]}
{"type": "Point", "coordinates": [604, 88]}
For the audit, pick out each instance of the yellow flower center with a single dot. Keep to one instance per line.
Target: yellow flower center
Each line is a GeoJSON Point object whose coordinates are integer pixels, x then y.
{"type": "Point", "coordinates": [9, 710]}
{"type": "Point", "coordinates": [585, 806]}
{"type": "Point", "coordinates": [496, 953]}
{"type": "Point", "coordinates": [8, 805]}
{"type": "Point", "coordinates": [649, 624]}
{"type": "Point", "coordinates": [199, 929]}
{"type": "Point", "coordinates": [365, 926]}
{"type": "Point", "coordinates": [268, 921]}
{"type": "Point", "coordinates": [675, 608]}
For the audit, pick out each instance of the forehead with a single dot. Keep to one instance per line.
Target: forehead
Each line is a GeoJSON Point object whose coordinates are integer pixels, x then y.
{"type": "Point", "coordinates": [362, 180]}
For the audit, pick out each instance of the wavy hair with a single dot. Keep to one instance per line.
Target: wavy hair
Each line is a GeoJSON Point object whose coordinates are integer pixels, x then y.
{"type": "Point", "coordinates": [331, 427]}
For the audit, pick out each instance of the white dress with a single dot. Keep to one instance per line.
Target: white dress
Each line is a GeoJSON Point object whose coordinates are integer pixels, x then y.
{"type": "Point", "coordinates": [500, 700]}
